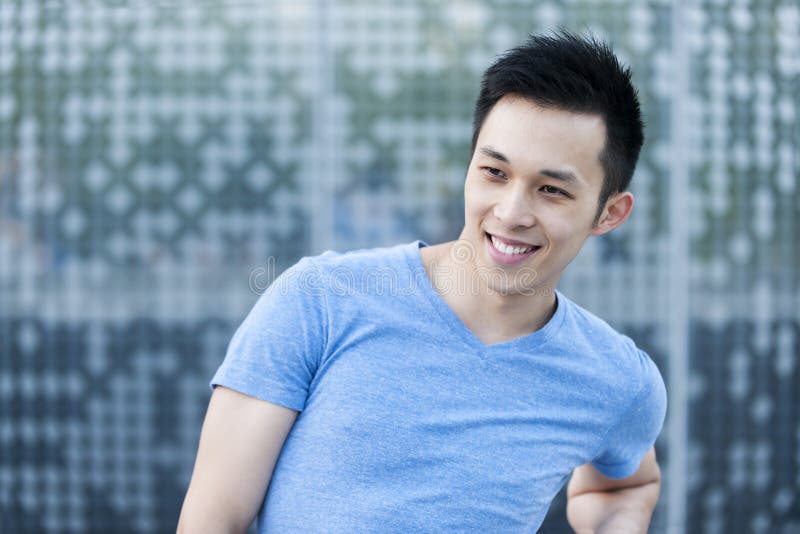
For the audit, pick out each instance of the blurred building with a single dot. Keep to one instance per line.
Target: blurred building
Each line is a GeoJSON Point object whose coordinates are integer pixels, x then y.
{"type": "Point", "coordinates": [154, 156]}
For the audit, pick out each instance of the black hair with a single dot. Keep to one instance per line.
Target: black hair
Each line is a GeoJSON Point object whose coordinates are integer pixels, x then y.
{"type": "Point", "coordinates": [573, 73]}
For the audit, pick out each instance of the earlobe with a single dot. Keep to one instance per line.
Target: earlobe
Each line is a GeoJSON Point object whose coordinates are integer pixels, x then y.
{"type": "Point", "coordinates": [615, 212]}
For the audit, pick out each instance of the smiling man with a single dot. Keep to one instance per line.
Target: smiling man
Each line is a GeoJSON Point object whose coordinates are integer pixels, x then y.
{"type": "Point", "coordinates": [462, 391]}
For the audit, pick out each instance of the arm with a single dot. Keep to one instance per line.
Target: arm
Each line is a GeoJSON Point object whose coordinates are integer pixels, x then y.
{"type": "Point", "coordinates": [239, 444]}
{"type": "Point", "coordinates": [597, 504]}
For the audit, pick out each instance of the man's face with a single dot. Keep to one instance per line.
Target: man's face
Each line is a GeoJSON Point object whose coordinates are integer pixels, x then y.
{"type": "Point", "coordinates": [533, 185]}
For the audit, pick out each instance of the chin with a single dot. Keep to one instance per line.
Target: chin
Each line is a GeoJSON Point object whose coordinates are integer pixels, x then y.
{"type": "Point", "coordinates": [509, 289]}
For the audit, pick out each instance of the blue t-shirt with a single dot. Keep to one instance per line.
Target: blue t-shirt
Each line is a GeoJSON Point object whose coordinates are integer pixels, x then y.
{"type": "Point", "coordinates": [410, 423]}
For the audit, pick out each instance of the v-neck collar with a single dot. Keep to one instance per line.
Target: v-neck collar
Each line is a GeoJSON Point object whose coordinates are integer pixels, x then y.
{"type": "Point", "coordinates": [458, 328]}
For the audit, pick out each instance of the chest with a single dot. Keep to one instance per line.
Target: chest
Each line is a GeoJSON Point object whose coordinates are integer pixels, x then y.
{"type": "Point", "coordinates": [405, 403]}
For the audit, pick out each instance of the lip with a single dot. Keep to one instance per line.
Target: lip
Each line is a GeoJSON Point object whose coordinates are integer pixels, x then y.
{"type": "Point", "coordinates": [506, 259]}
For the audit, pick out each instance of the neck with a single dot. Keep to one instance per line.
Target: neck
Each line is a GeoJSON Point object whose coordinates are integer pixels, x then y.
{"type": "Point", "coordinates": [491, 315]}
{"type": "Point", "coordinates": [512, 315]}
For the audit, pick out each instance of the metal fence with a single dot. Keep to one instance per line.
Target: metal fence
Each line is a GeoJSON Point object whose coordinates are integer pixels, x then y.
{"type": "Point", "coordinates": [153, 155]}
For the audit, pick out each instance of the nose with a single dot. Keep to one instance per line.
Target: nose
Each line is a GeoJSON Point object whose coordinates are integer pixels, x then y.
{"type": "Point", "coordinates": [514, 210]}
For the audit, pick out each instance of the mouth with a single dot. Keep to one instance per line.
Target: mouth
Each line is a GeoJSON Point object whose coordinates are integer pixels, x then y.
{"type": "Point", "coordinates": [508, 253]}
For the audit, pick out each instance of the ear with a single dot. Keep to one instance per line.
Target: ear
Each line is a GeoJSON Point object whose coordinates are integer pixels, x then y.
{"type": "Point", "coordinates": [616, 210]}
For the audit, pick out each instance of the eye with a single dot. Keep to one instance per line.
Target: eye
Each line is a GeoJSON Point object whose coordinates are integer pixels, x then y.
{"type": "Point", "coordinates": [549, 189]}
{"type": "Point", "coordinates": [494, 172]}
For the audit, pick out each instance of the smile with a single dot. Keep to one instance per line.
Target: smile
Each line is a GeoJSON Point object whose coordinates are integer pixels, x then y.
{"type": "Point", "coordinates": [508, 254]}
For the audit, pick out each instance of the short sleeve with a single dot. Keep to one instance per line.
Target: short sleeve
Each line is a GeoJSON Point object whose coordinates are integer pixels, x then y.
{"type": "Point", "coordinates": [629, 440]}
{"type": "Point", "coordinates": [275, 352]}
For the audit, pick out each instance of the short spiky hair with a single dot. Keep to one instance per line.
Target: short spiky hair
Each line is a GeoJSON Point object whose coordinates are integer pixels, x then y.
{"type": "Point", "coordinates": [578, 74]}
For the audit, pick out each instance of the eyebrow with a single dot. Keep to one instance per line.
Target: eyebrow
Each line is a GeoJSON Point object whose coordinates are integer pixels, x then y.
{"type": "Point", "coordinates": [492, 153]}
{"type": "Point", "coordinates": [561, 175]}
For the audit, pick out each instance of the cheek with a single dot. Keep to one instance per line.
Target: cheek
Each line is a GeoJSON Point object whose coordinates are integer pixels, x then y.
{"type": "Point", "coordinates": [476, 201]}
{"type": "Point", "coordinates": [574, 219]}
{"type": "Point", "coordinates": [565, 227]}
{"type": "Point", "coordinates": [568, 236]}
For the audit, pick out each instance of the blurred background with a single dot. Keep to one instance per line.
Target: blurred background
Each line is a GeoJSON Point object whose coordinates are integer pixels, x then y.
{"type": "Point", "coordinates": [154, 155]}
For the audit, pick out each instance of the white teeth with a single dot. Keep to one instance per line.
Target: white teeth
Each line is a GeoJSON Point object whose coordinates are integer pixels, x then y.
{"type": "Point", "coordinates": [507, 249]}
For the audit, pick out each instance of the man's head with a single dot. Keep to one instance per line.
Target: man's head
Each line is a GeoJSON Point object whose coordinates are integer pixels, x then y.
{"type": "Point", "coordinates": [557, 135]}
{"type": "Point", "coordinates": [576, 74]}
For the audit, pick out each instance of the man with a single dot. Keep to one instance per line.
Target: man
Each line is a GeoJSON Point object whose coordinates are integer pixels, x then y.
{"type": "Point", "coordinates": [461, 391]}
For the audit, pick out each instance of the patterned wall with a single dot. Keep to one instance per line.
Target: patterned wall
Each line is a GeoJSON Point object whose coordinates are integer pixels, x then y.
{"type": "Point", "coordinates": [158, 158]}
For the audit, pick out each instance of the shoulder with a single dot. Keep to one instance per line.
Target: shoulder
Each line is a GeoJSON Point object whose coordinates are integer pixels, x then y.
{"type": "Point", "coordinates": [333, 260]}
{"type": "Point", "coordinates": [349, 272]}
{"type": "Point", "coordinates": [590, 328]}
{"type": "Point", "coordinates": [366, 257]}
{"type": "Point", "coordinates": [609, 350]}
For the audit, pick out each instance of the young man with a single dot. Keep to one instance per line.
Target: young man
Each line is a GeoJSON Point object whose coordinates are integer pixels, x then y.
{"type": "Point", "coordinates": [452, 387]}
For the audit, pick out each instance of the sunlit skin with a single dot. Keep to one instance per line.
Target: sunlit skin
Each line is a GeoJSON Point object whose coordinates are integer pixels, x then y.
{"type": "Point", "coordinates": [535, 177]}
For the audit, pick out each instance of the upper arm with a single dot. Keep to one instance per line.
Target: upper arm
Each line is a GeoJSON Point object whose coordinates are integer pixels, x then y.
{"type": "Point", "coordinates": [586, 478]}
{"type": "Point", "coordinates": [240, 442]}
{"type": "Point", "coordinates": [624, 447]}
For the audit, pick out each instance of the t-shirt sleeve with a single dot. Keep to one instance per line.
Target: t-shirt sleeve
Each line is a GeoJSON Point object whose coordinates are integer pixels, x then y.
{"type": "Point", "coordinates": [275, 352]}
{"type": "Point", "coordinates": [629, 440]}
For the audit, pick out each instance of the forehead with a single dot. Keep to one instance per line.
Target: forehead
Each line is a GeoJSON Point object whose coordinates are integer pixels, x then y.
{"type": "Point", "coordinates": [534, 136]}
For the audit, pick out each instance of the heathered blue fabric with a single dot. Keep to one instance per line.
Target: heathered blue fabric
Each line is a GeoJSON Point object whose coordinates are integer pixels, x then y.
{"type": "Point", "coordinates": [409, 423]}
